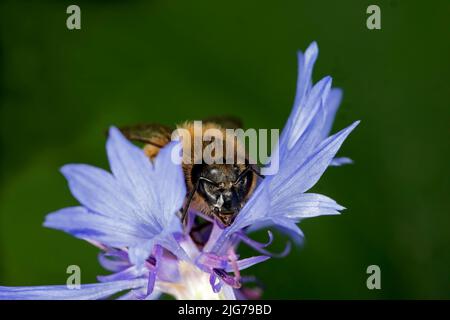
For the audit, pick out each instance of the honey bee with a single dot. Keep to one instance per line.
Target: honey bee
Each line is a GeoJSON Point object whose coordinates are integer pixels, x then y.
{"type": "Point", "coordinates": [218, 190]}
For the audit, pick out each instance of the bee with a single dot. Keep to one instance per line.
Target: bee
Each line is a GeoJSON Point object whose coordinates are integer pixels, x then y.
{"type": "Point", "coordinates": [218, 190]}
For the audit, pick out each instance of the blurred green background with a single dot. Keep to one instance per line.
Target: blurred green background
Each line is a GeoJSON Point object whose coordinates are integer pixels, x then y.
{"type": "Point", "coordinates": [168, 61]}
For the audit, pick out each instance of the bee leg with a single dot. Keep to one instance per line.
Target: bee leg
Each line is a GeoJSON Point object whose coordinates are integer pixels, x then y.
{"type": "Point", "coordinates": [255, 169]}
{"type": "Point", "coordinates": [188, 202]}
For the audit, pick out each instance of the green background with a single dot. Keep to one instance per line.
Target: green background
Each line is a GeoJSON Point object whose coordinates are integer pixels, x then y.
{"type": "Point", "coordinates": [168, 61]}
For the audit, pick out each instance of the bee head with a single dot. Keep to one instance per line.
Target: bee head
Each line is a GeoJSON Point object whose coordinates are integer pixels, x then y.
{"type": "Point", "coordinates": [224, 187]}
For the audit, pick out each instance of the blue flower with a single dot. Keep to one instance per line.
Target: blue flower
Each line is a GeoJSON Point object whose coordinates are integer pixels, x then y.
{"type": "Point", "coordinates": [131, 213]}
{"type": "Point", "coordinates": [304, 152]}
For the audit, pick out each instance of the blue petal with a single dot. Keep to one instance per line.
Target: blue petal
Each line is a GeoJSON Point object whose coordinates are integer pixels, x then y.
{"type": "Point", "coordinates": [100, 192]}
{"type": "Point", "coordinates": [168, 241]}
{"type": "Point", "coordinates": [86, 292]}
{"type": "Point", "coordinates": [140, 294]}
{"type": "Point", "coordinates": [228, 293]}
{"type": "Point", "coordinates": [135, 207]}
{"type": "Point", "coordinates": [337, 162]}
{"type": "Point", "coordinates": [247, 263]}
{"type": "Point", "coordinates": [281, 201]}
{"type": "Point", "coordinates": [331, 107]}
{"type": "Point", "coordinates": [139, 253]}
{"type": "Point", "coordinates": [129, 273]}
{"type": "Point", "coordinates": [132, 168]}
{"type": "Point", "coordinates": [304, 152]}
{"type": "Point", "coordinates": [170, 185]}
{"type": "Point", "coordinates": [81, 223]}
{"type": "Point", "coordinates": [159, 189]}
{"type": "Point", "coordinates": [296, 206]}
{"type": "Point", "coordinates": [285, 211]}
{"type": "Point", "coordinates": [305, 68]}
{"type": "Point", "coordinates": [311, 102]}
{"type": "Point", "coordinates": [293, 159]}
{"type": "Point", "coordinates": [309, 173]}
{"type": "Point", "coordinates": [112, 262]}
{"type": "Point", "coordinates": [171, 188]}
{"type": "Point", "coordinates": [309, 110]}
{"type": "Point", "coordinates": [289, 226]}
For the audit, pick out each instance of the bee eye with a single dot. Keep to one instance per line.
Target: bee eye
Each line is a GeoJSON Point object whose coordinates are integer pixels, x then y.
{"type": "Point", "coordinates": [211, 186]}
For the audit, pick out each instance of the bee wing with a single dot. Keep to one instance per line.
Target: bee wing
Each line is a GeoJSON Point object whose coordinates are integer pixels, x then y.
{"type": "Point", "coordinates": [157, 135]}
{"type": "Point", "coordinates": [226, 122]}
